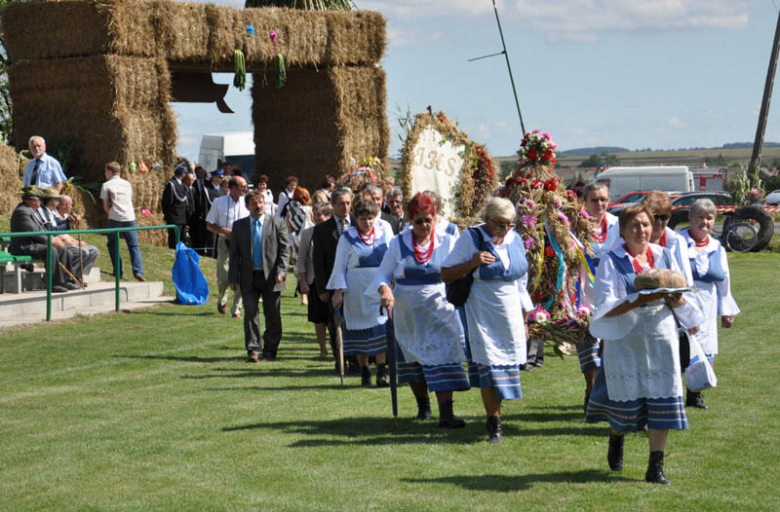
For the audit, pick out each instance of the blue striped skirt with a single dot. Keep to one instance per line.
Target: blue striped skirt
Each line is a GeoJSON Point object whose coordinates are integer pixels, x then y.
{"type": "Point", "coordinates": [588, 352]}
{"type": "Point", "coordinates": [504, 379]}
{"type": "Point", "coordinates": [440, 377]}
{"type": "Point", "coordinates": [631, 415]}
{"type": "Point", "coordinates": [370, 342]}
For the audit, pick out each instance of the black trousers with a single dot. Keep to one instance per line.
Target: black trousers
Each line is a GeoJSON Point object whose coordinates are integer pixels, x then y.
{"type": "Point", "coordinates": [272, 335]}
{"type": "Point", "coordinates": [172, 235]}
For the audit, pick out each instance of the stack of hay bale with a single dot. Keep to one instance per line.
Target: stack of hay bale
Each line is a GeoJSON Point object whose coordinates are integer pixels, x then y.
{"type": "Point", "coordinates": [100, 72]}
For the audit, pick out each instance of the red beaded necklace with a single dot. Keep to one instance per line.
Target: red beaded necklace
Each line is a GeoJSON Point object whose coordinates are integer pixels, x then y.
{"type": "Point", "coordinates": [601, 238]}
{"type": "Point", "coordinates": [370, 236]}
{"type": "Point", "coordinates": [662, 241]}
{"type": "Point", "coordinates": [420, 255]}
{"type": "Point", "coordinates": [637, 267]}
{"type": "Point", "coordinates": [704, 242]}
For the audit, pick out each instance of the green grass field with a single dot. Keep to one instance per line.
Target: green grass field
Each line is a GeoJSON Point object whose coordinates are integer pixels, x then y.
{"type": "Point", "coordinates": [157, 410]}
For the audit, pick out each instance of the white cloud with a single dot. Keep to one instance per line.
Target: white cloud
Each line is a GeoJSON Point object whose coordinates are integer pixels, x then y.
{"type": "Point", "coordinates": [675, 122]}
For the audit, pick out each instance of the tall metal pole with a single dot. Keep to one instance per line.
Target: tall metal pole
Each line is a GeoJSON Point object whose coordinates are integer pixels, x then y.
{"type": "Point", "coordinates": [509, 67]}
{"type": "Point", "coordinates": [758, 145]}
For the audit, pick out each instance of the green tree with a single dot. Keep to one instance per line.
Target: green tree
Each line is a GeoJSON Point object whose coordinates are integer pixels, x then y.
{"type": "Point", "coordinates": [604, 158]}
{"type": "Point", "coordinates": [6, 110]}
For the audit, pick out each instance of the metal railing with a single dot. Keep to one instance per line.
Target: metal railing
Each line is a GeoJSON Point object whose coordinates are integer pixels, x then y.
{"type": "Point", "coordinates": [49, 262]}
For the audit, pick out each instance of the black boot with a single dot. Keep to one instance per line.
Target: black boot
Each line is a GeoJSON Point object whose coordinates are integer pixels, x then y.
{"type": "Point", "coordinates": [585, 404]}
{"type": "Point", "coordinates": [615, 453]}
{"type": "Point", "coordinates": [655, 469]}
{"type": "Point", "coordinates": [365, 376]}
{"type": "Point", "coordinates": [446, 417]}
{"type": "Point", "coordinates": [495, 432]}
{"type": "Point", "coordinates": [694, 399]}
{"type": "Point", "coordinates": [423, 408]}
{"type": "Point", "coordinates": [381, 376]}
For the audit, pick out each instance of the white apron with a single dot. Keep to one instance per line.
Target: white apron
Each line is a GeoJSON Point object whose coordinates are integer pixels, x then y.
{"type": "Point", "coordinates": [495, 323]}
{"type": "Point", "coordinates": [361, 311]}
{"type": "Point", "coordinates": [427, 326]}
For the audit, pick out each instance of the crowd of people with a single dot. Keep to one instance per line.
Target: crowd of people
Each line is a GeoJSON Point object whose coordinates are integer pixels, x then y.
{"type": "Point", "coordinates": [364, 260]}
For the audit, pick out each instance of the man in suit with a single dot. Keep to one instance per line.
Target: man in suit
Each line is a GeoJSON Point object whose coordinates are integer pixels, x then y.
{"type": "Point", "coordinates": [212, 189]}
{"type": "Point", "coordinates": [395, 205]}
{"type": "Point", "coordinates": [325, 239]}
{"type": "Point", "coordinates": [176, 204]}
{"type": "Point", "coordinates": [25, 218]}
{"type": "Point", "coordinates": [259, 255]}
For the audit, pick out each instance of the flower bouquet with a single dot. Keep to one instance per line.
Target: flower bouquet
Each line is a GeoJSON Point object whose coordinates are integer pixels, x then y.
{"type": "Point", "coordinates": [557, 236]}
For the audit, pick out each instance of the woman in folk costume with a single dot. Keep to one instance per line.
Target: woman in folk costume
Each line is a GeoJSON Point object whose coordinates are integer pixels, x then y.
{"type": "Point", "coordinates": [442, 225]}
{"type": "Point", "coordinates": [427, 327]}
{"type": "Point", "coordinates": [495, 325]}
{"type": "Point", "coordinates": [710, 270]}
{"type": "Point", "coordinates": [639, 382]}
{"type": "Point", "coordinates": [358, 255]}
{"type": "Point", "coordinates": [606, 236]}
{"type": "Point", "coordinates": [660, 206]}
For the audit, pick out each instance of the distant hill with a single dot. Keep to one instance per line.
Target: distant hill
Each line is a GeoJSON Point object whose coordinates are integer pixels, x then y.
{"type": "Point", "coordinates": [742, 145]}
{"type": "Point", "coordinates": [595, 151]}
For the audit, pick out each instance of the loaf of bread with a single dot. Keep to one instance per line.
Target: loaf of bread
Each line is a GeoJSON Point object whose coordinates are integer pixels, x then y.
{"type": "Point", "coordinates": [659, 278]}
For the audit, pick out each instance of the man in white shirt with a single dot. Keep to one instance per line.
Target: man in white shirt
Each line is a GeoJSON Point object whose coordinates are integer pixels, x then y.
{"type": "Point", "coordinates": [117, 196]}
{"type": "Point", "coordinates": [43, 170]}
{"type": "Point", "coordinates": [224, 212]}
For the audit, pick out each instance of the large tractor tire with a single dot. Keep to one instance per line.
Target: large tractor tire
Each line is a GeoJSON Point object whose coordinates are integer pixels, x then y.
{"type": "Point", "coordinates": [761, 219]}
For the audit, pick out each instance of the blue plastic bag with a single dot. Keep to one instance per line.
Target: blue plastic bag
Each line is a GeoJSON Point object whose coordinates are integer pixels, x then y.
{"type": "Point", "coordinates": [191, 287]}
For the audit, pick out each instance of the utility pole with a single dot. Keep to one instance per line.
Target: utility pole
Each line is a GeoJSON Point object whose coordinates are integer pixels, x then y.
{"type": "Point", "coordinates": [508, 66]}
{"type": "Point", "coordinates": [758, 145]}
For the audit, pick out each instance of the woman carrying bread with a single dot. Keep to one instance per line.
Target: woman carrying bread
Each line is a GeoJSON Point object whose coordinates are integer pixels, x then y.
{"type": "Point", "coordinates": [639, 382]}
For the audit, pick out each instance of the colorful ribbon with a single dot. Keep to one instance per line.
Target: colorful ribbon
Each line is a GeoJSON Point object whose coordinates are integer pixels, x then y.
{"type": "Point", "coordinates": [585, 260]}
{"type": "Point", "coordinates": [561, 262]}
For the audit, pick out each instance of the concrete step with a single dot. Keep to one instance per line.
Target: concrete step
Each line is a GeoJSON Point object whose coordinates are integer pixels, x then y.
{"type": "Point", "coordinates": [36, 280]}
{"type": "Point", "coordinates": [30, 307]}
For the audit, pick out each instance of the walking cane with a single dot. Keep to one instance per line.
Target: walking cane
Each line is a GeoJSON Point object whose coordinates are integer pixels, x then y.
{"type": "Point", "coordinates": [392, 361]}
{"type": "Point", "coordinates": [81, 254]}
{"type": "Point", "coordinates": [65, 269]}
{"type": "Point", "coordinates": [338, 320]}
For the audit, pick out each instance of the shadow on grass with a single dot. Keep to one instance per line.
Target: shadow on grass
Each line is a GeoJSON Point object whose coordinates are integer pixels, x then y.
{"type": "Point", "coordinates": [366, 431]}
{"type": "Point", "coordinates": [506, 483]}
{"type": "Point", "coordinates": [380, 431]}
{"type": "Point", "coordinates": [543, 417]}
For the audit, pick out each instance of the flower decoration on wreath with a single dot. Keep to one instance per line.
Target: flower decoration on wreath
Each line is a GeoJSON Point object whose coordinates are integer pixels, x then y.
{"type": "Point", "coordinates": [557, 238]}
{"type": "Point", "coordinates": [370, 172]}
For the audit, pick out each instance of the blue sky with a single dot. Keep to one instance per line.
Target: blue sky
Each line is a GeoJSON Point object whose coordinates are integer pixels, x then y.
{"type": "Point", "coordinates": [631, 73]}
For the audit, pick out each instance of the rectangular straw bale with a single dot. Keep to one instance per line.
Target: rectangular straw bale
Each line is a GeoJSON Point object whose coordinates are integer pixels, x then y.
{"type": "Point", "coordinates": [294, 128]}
{"type": "Point", "coordinates": [10, 183]}
{"type": "Point", "coordinates": [131, 28]}
{"type": "Point", "coordinates": [187, 30]}
{"type": "Point", "coordinates": [41, 30]}
{"type": "Point", "coordinates": [356, 37]}
{"type": "Point", "coordinates": [302, 36]}
{"type": "Point", "coordinates": [224, 34]}
{"type": "Point", "coordinates": [361, 114]}
{"type": "Point", "coordinates": [102, 79]}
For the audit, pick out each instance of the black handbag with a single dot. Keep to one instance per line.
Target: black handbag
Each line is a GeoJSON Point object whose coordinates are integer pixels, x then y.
{"type": "Point", "coordinates": [458, 290]}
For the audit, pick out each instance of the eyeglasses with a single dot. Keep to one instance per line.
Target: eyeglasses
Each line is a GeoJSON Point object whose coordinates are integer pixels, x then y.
{"type": "Point", "coordinates": [663, 218]}
{"type": "Point", "coordinates": [503, 225]}
{"type": "Point", "coordinates": [425, 220]}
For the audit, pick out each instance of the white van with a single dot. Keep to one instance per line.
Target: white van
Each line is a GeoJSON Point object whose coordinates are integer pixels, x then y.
{"type": "Point", "coordinates": [623, 180]}
{"type": "Point", "coordinates": [238, 148]}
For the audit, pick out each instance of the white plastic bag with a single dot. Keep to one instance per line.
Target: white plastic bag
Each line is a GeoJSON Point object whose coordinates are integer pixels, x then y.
{"type": "Point", "coordinates": [699, 375]}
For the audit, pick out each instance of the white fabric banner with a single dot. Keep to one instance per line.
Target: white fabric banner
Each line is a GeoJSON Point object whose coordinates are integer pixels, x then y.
{"type": "Point", "coordinates": [436, 165]}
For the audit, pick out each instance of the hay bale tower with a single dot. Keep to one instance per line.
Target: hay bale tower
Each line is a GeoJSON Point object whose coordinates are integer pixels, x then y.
{"type": "Point", "coordinates": [100, 72]}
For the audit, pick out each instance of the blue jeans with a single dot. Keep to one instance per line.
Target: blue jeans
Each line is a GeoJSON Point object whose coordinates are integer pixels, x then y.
{"type": "Point", "coordinates": [131, 239]}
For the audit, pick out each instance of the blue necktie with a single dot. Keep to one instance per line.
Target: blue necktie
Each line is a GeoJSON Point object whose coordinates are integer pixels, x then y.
{"type": "Point", "coordinates": [257, 243]}
{"type": "Point", "coordinates": [34, 177]}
